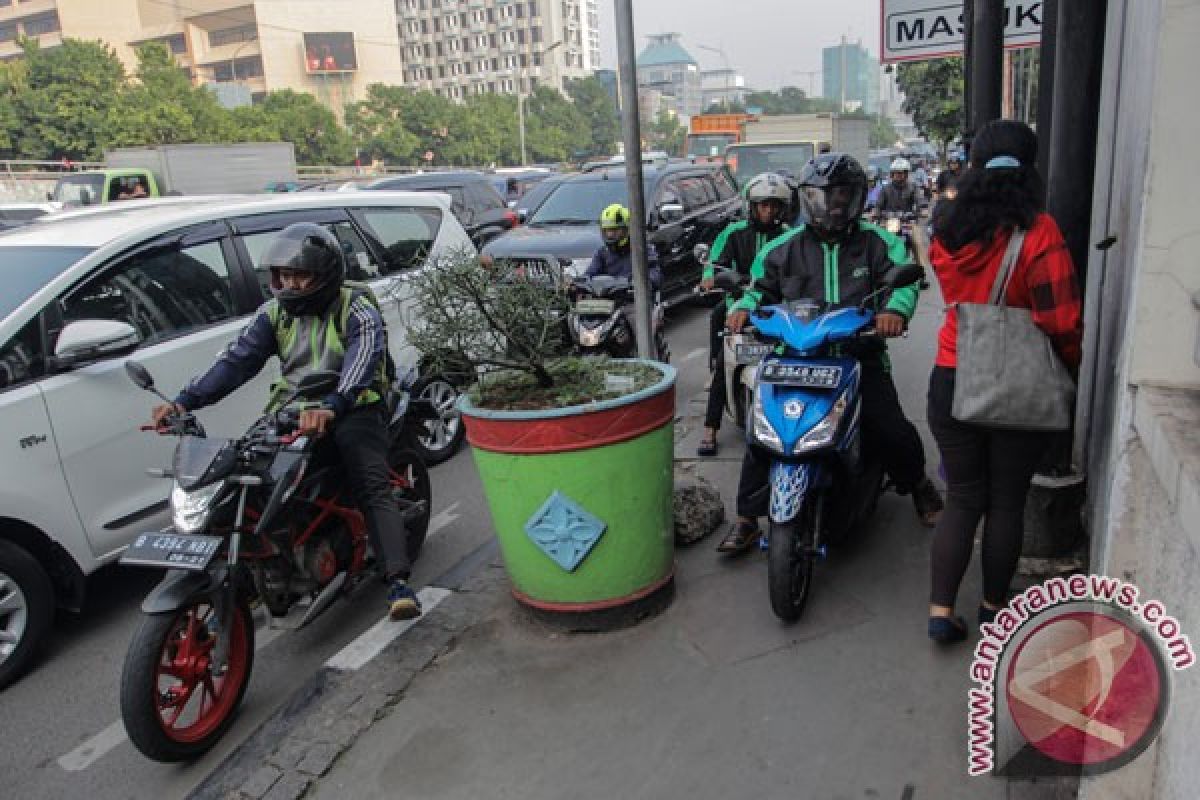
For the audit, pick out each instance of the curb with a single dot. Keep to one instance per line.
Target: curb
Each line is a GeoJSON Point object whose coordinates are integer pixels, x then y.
{"type": "Point", "coordinates": [304, 737]}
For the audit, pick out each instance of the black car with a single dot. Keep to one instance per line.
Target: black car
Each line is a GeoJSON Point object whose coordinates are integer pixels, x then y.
{"type": "Point", "coordinates": [686, 204]}
{"type": "Point", "coordinates": [473, 200]}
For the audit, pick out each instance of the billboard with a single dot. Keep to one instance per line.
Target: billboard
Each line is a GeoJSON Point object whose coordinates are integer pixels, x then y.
{"type": "Point", "coordinates": [913, 30]}
{"type": "Point", "coordinates": [329, 52]}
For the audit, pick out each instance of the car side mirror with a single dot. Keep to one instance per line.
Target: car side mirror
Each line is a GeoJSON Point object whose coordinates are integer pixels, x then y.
{"type": "Point", "coordinates": [522, 215]}
{"type": "Point", "coordinates": [669, 213]}
{"type": "Point", "coordinates": [904, 275]}
{"type": "Point", "coordinates": [88, 340]}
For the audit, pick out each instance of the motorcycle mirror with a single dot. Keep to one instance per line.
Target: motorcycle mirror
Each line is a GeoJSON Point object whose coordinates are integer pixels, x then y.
{"type": "Point", "coordinates": [904, 275]}
{"type": "Point", "coordinates": [701, 252]}
{"type": "Point", "coordinates": [139, 375]}
{"type": "Point", "coordinates": [317, 383]}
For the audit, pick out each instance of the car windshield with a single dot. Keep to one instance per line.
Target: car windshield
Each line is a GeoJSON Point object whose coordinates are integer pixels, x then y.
{"type": "Point", "coordinates": [746, 161]}
{"type": "Point", "coordinates": [25, 269]}
{"type": "Point", "coordinates": [580, 202]}
{"type": "Point", "coordinates": [79, 190]}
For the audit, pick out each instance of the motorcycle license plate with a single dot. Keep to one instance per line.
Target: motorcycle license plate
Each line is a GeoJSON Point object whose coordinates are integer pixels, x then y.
{"type": "Point", "coordinates": [595, 305]}
{"type": "Point", "coordinates": [750, 353]}
{"type": "Point", "coordinates": [806, 375]}
{"type": "Point", "coordinates": [172, 550]}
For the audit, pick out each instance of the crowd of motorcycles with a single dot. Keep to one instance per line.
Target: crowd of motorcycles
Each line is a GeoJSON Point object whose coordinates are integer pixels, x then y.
{"type": "Point", "coordinates": [266, 520]}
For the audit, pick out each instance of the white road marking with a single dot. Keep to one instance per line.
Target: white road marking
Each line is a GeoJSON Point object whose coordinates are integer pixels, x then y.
{"type": "Point", "coordinates": [94, 748]}
{"type": "Point", "coordinates": [372, 641]}
{"type": "Point", "coordinates": [697, 353]}
{"type": "Point", "coordinates": [353, 656]}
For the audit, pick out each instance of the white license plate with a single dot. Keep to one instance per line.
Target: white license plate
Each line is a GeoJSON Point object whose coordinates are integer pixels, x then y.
{"type": "Point", "coordinates": [172, 550]}
{"type": "Point", "coordinates": [595, 306]}
{"type": "Point", "coordinates": [806, 375]}
{"type": "Point", "coordinates": [750, 353]}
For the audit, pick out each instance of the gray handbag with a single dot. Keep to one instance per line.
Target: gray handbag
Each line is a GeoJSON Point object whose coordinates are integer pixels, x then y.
{"type": "Point", "coordinates": [1008, 374]}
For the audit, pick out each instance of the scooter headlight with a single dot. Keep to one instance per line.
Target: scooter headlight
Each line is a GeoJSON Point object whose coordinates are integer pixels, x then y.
{"type": "Point", "coordinates": [191, 510]}
{"type": "Point", "coordinates": [823, 432]}
{"type": "Point", "coordinates": [764, 432]}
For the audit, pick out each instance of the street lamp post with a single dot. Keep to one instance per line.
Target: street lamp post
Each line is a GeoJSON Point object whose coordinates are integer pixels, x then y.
{"type": "Point", "coordinates": [521, 102]}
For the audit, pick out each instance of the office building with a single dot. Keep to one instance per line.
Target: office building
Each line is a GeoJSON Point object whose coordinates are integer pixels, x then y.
{"type": "Point", "coordinates": [850, 76]}
{"type": "Point", "coordinates": [665, 67]}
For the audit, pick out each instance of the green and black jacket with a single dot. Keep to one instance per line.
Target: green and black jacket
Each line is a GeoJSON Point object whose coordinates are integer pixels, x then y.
{"type": "Point", "coordinates": [737, 246]}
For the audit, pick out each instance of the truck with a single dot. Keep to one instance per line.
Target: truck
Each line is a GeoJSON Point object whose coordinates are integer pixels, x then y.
{"type": "Point", "coordinates": [709, 135]}
{"type": "Point", "coordinates": [132, 172]}
{"type": "Point", "coordinates": [787, 141]}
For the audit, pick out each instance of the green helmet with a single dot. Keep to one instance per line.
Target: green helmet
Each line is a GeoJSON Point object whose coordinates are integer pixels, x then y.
{"type": "Point", "coordinates": [614, 226]}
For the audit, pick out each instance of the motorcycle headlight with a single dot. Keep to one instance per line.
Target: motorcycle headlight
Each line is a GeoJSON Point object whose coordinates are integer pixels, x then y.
{"type": "Point", "coordinates": [764, 432]}
{"type": "Point", "coordinates": [823, 432]}
{"type": "Point", "coordinates": [190, 510]}
{"type": "Point", "coordinates": [893, 225]}
{"type": "Point", "coordinates": [590, 337]}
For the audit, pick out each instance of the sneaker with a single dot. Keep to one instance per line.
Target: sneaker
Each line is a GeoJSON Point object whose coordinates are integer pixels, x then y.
{"type": "Point", "coordinates": [928, 502]}
{"type": "Point", "coordinates": [403, 602]}
{"type": "Point", "coordinates": [947, 630]}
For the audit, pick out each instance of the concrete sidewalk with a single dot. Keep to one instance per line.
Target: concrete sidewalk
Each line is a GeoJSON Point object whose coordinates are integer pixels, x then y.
{"type": "Point", "coordinates": [714, 698]}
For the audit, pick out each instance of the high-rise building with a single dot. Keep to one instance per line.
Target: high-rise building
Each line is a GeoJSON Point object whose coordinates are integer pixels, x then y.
{"type": "Point", "coordinates": [667, 68]}
{"type": "Point", "coordinates": [332, 49]}
{"type": "Point", "coordinates": [850, 76]}
{"type": "Point", "coordinates": [725, 86]}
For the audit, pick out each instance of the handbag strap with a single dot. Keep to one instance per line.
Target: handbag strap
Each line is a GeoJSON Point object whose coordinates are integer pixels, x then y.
{"type": "Point", "coordinates": [1004, 274]}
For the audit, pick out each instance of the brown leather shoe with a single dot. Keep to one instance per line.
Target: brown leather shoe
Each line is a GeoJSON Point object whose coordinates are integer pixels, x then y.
{"type": "Point", "coordinates": [740, 538]}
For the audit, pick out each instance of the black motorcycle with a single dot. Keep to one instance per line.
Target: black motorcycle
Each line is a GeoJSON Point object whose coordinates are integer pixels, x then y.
{"type": "Point", "coordinates": [263, 519]}
{"type": "Point", "coordinates": [600, 321]}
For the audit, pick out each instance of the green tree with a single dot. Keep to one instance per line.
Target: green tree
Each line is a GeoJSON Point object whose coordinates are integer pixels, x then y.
{"type": "Point", "coordinates": [13, 81]}
{"type": "Point", "coordinates": [64, 105]}
{"type": "Point", "coordinates": [296, 117]}
{"type": "Point", "coordinates": [883, 132]}
{"type": "Point", "coordinates": [554, 127]}
{"type": "Point", "coordinates": [788, 100]}
{"type": "Point", "coordinates": [596, 105]}
{"type": "Point", "coordinates": [666, 133]}
{"type": "Point", "coordinates": [933, 95]}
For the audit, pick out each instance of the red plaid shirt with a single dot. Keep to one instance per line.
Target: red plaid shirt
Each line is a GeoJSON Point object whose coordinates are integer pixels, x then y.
{"type": "Point", "coordinates": [1043, 281]}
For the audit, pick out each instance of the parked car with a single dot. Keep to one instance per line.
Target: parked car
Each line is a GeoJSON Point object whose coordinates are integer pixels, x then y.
{"type": "Point", "coordinates": [532, 200]}
{"type": "Point", "coordinates": [481, 210]}
{"type": "Point", "coordinates": [525, 179]}
{"type": "Point", "coordinates": [687, 204]}
{"type": "Point", "coordinates": [14, 215]}
{"type": "Point", "coordinates": [172, 283]}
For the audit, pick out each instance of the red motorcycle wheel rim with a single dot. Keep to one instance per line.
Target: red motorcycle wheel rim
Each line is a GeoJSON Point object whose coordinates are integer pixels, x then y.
{"type": "Point", "coordinates": [185, 673]}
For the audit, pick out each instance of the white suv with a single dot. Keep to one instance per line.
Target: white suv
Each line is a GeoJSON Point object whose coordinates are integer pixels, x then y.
{"type": "Point", "coordinates": [174, 281]}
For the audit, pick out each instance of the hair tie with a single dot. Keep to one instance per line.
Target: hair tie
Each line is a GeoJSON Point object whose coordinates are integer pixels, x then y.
{"type": "Point", "coordinates": [1002, 162]}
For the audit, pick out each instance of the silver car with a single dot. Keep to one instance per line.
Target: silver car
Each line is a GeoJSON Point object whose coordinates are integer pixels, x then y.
{"type": "Point", "coordinates": [173, 281]}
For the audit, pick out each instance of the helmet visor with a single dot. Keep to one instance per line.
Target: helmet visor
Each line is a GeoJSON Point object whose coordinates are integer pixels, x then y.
{"type": "Point", "coordinates": [833, 208]}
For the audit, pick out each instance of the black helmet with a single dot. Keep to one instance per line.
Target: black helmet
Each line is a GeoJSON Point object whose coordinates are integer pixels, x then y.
{"type": "Point", "coordinates": [306, 246]}
{"type": "Point", "coordinates": [833, 191]}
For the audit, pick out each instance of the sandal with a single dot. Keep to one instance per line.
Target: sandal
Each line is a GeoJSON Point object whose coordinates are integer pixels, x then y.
{"type": "Point", "coordinates": [947, 630]}
{"type": "Point", "coordinates": [741, 537]}
{"type": "Point", "coordinates": [708, 447]}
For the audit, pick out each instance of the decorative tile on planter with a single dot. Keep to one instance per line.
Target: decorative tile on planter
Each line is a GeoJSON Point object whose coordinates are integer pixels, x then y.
{"type": "Point", "coordinates": [564, 530]}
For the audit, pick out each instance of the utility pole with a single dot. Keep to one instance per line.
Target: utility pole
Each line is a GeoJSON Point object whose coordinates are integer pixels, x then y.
{"type": "Point", "coordinates": [632, 134]}
{"type": "Point", "coordinates": [842, 79]}
{"type": "Point", "coordinates": [985, 76]}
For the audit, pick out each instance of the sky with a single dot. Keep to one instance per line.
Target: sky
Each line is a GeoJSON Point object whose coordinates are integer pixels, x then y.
{"type": "Point", "coordinates": [768, 41]}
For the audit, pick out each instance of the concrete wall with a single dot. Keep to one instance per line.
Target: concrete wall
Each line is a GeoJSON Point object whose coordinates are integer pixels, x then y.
{"type": "Point", "coordinates": [1143, 405]}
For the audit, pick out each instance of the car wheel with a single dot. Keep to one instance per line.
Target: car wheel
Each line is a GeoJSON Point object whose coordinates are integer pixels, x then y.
{"type": "Point", "coordinates": [26, 610]}
{"type": "Point", "coordinates": [442, 436]}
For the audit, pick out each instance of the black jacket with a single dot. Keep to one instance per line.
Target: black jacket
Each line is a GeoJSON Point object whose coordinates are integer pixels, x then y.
{"type": "Point", "coordinates": [894, 198]}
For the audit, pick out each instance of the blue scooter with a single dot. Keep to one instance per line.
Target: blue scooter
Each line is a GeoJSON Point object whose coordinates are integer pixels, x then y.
{"type": "Point", "coordinates": [805, 418]}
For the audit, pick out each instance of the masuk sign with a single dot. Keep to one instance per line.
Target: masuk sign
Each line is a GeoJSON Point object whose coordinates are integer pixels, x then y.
{"type": "Point", "coordinates": [912, 30]}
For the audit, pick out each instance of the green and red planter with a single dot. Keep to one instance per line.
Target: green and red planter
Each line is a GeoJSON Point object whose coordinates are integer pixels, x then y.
{"type": "Point", "coordinates": [580, 499]}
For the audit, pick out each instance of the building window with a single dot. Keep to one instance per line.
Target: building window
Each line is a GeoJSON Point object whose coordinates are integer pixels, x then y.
{"type": "Point", "coordinates": [520, 9]}
{"type": "Point", "coordinates": [8, 32]}
{"type": "Point", "coordinates": [242, 33]}
{"type": "Point", "coordinates": [46, 23]}
{"type": "Point", "coordinates": [535, 35]}
{"type": "Point", "coordinates": [176, 44]}
{"type": "Point", "coordinates": [441, 72]}
{"type": "Point", "coordinates": [533, 9]}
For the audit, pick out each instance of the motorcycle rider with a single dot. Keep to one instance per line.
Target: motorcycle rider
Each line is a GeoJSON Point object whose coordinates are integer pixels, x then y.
{"type": "Point", "coordinates": [768, 199]}
{"type": "Point", "coordinates": [948, 177]}
{"type": "Point", "coordinates": [315, 322]}
{"type": "Point", "coordinates": [615, 258]}
{"type": "Point", "coordinates": [899, 194]}
{"type": "Point", "coordinates": [838, 258]}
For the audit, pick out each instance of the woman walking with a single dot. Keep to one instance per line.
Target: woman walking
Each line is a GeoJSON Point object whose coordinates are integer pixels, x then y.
{"type": "Point", "coordinates": [988, 470]}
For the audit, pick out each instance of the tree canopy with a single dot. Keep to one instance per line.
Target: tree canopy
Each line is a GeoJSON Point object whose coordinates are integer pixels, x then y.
{"type": "Point", "coordinates": [933, 95]}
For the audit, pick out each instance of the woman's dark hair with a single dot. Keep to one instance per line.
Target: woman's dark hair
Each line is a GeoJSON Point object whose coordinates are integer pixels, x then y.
{"type": "Point", "coordinates": [999, 198]}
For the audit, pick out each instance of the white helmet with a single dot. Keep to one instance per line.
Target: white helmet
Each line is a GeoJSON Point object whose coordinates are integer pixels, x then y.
{"type": "Point", "coordinates": [768, 186]}
{"type": "Point", "coordinates": [900, 165]}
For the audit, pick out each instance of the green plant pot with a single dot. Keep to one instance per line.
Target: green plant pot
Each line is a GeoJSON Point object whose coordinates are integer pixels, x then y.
{"type": "Point", "coordinates": [580, 498]}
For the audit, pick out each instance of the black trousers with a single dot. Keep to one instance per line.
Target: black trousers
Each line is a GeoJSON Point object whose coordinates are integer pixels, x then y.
{"type": "Point", "coordinates": [988, 472]}
{"type": "Point", "coordinates": [361, 439]}
{"type": "Point", "coordinates": [716, 363]}
{"type": "Point", "coordinates": [885, 430]}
